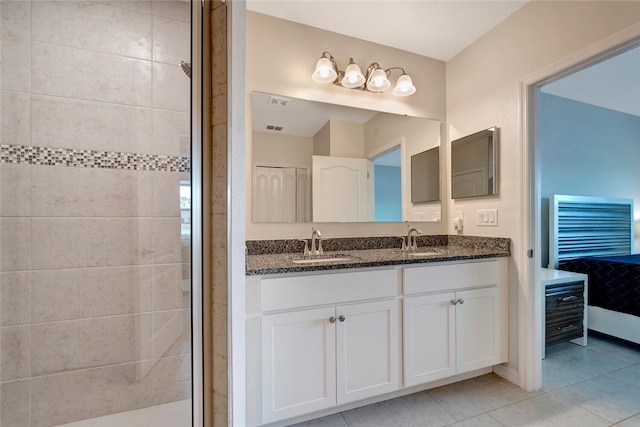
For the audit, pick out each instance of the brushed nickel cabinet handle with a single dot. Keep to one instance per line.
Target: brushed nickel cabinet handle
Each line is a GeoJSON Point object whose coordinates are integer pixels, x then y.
{"type": "Point", "coordinates": [341, 318]}
{"type": "Point", "coordinates": [454, 302]}
{"type": "Point", "coordinates": [460, 300]}
{"type": "Point", "coordinates": [571, 298]}
{"type": "Point", "coordinates": [332, 319]}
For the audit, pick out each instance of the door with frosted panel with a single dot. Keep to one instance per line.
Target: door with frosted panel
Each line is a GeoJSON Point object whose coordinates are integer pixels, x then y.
{"type": "Point", "coordinates": [95, 213]}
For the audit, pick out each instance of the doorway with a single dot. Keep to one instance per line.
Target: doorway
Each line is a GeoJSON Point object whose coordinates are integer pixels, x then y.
{"type": "Point", "coordinates": [536, 209]}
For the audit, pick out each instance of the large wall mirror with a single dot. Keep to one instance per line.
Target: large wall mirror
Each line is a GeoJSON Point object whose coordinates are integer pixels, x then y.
{"type": "Point", "coordinates": [319, 162]}
{"type": "Point", "coordinates": [473, 164]}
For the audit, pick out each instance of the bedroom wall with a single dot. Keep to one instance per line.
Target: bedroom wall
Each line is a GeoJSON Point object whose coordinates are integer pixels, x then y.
{"type": "Point", "coordinates": [589, 151]}
{"type": "Point", "coordinates": [483, 90]}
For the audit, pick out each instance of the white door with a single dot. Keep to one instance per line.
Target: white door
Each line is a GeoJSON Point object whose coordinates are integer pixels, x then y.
{"type": "Point", "coordinates": [339, 189]}
{"type": "Point", "coordinates": [367, 350]}
{"type": "Point", "coordinates": [429, 338]}
{"type": "Point", "coordinates": [298, 363]}
{"type": "Point", "coordinates": [289, 194]}
{"type": "Point", "coordinates": [478, 334]}
{"type": "Point", "coordinates": [303, 200]}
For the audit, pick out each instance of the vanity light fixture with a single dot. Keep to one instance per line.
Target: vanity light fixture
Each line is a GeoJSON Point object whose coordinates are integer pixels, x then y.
{"type": "Point", "coordinates": [376, 78]}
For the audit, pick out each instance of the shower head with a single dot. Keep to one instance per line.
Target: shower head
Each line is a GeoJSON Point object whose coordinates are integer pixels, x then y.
{"type": "Point", "coordinates": [186, 67]}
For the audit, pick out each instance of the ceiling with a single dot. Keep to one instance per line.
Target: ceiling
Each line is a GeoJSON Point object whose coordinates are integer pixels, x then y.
{"type": "Point", "coordinates": [613, 84]}
{"type": "Point", "coordinates": [438, 29]}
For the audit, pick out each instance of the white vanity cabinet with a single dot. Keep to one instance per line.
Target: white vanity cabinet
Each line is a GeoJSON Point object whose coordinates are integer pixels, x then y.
{"type": "Point", "coordinates": [323, 342]}
{"type": "Point", "coordinates": [316, 358]}
{"type": "Point", "coordinates": [454, 320]}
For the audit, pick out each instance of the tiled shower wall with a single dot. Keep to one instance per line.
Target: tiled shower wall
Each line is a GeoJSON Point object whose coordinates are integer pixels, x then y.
{"type": "Point", "coordinates": [94, 273]}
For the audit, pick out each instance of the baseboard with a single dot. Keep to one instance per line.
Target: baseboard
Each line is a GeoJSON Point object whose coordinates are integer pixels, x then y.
{"type": "Point", "coordinates": [507, 373]}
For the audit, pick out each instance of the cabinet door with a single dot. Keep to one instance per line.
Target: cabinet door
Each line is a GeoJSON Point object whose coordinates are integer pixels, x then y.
{"type": "Point", "coordinates": [367, 350]}
{"type": "Point", "coordinates": [429, 338]}
{"type": "Point", "coordinates": [298, 363]}
{"type": "Point", "coordinates": [478, 334]}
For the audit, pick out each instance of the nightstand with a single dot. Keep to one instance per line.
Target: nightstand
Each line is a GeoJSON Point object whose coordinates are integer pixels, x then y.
{"type": "Point", "coordinates": [565, 308]}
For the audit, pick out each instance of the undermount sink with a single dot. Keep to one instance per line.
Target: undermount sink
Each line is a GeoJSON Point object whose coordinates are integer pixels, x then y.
{"type": "Point", "coordinates": [324, 259]}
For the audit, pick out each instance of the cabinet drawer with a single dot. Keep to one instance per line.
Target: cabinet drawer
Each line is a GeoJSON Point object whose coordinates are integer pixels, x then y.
{"type": "Point", "coordinates": [303, 291]}
{"type": "Point", "coordinates": [437, 278]}
{"type": "Point", "coordinates": [564, 331]}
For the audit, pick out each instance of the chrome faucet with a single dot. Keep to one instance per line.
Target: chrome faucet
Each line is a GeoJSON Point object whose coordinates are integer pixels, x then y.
{"type": "Point", "coordinates": [315, 234]}
{"type": "Point", "coordinates": [411, 243]}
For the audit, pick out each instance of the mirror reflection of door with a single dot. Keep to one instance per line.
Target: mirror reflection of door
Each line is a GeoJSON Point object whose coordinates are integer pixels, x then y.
{"type": "Point", "coordinates": [340, 189]}
{"type": "Point", "coordinates": [387, 176]}
{"type": "Point", "coordinates": [280, 194]}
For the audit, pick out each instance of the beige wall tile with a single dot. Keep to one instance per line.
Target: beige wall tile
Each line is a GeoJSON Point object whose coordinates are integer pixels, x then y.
{"type": "Point", "coordinates": [168, 288]}
{"type": "Point", "coordinates": [91, 242]}
{"type": "Point", "coordinates": [142, 6]}
{"type": "Point", "coordinates": [89, 343]}
{"type": "Point", "coordinates": [170, 376]}
{"type": "Point", "coordinates": [16, 117]}
{"type": "Point", "coordinates": [15, 301]}
{"type": "Point", "coordinates": [90, 292]}
{"type": "Point", "coordinates": [14, 405]}
{"type": "Point", "coordinates": [16, 19]}
{"type": "Point", "coordinates": [73, 123]}
{"type": "Point", "coordinates": [15, 245]}
{"type": "Point", "coordinates": [166, 241]}
{"type": "Point", "coordinates": [170, 88]}
{"type": "Point", "coordinates": [93, 26]}
{"type": "Point", "coordinates": [62, 71]}
{"type": "Point", "coordinates": [14, 352]}
{"type": "Point", "coordinates": [220, 410]}
{"type": "Point", "coordinates": [169, 127]}
{"type": "Point", "coordinates": [173, 9]}
{"type": "Point", "coordinates": [219, 170]}
{"type": "Point", "coordinates": [15, 189]}
{"type": "Point", "coordinates": [62, 398]}
{"type": "Point", "coordinates": [171, 332]}
{"type": "Point", "coordinates": [15, 57]}
{"type": "Point", "coordinates": [171, 40]}
{"type": "Point", "coordinates": [166, 194]}
{"type": "Point", "coordinates": [70, 192]}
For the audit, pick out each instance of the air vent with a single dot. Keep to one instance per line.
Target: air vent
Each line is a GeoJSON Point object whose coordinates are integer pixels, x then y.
{"type": "Point", "coordinates": [278, 101]}
{"type": "Point", "coordinates": [275, 128]}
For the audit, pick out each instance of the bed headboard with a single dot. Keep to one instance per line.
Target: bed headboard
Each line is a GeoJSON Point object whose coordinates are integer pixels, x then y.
{"type": "Point", "coordinates": [587, 226]}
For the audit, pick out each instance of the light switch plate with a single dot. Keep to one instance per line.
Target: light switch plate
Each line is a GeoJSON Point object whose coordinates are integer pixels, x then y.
{"type": "Point", "coordinates": [487, 217]}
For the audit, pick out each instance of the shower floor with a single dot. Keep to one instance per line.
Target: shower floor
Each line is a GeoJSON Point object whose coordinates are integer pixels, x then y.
{"type": "Point", "coordinates": [175, 414]}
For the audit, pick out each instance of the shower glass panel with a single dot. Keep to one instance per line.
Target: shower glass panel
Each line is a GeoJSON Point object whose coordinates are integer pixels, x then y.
{"type": "Point", "coordinates": [95, 213]}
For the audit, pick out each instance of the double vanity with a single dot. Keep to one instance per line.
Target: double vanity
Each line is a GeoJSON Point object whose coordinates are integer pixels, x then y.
{"type": "Point", "coordinates": [369, 319]}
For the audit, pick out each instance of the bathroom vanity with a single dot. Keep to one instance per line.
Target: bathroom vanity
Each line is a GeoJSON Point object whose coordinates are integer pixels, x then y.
{"type": "Point", "coordinates": [369, 325]}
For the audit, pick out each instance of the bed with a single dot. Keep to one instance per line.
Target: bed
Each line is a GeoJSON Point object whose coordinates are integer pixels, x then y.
{"type": "Point", "coordinates": [594, 236]}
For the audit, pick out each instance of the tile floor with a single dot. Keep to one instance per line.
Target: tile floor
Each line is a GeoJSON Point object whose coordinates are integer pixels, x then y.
{"type": "Point", "coordinates": [598, 385]}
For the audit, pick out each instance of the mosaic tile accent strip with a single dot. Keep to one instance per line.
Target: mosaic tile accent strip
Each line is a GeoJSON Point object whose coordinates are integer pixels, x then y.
{"type": "Point", "coordinates": [72, 157]}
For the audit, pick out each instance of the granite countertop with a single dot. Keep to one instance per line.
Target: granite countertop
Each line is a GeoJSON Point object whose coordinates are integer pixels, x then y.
{"type": "Point", "coordinates": [261, 262]}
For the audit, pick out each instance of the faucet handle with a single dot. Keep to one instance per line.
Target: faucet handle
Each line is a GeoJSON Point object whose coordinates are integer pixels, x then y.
{"type": "Point", "coordinates": [320, 251]}
{"type": "Point", "coordinates": [305, 251]}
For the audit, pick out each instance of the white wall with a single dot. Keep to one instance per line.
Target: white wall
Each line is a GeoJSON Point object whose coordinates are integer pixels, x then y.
{"type": "Point", "coordinates": [281, 56]}
{"type": "Point", "coordinates": [271, 149]}
{"type": "Point", "coordinates": [483, 84]}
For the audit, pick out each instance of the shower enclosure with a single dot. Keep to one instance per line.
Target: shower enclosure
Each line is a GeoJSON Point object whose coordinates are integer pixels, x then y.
{"type": "Point", "coordinates": [95, 213]}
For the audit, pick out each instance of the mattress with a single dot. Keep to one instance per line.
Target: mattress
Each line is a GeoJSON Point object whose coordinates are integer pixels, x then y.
{"type": "Point", "coordinates": [614, 281]}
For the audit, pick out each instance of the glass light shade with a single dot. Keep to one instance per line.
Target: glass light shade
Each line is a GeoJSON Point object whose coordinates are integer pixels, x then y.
{"type": "Point", "coordinates": [404, 86]}
{"type": "Point", "coordinates": [378, 82]}
{"type": "Point", "coordinates": [352, 77]}
{"type": "Point", "coordinates": [324, 73]}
